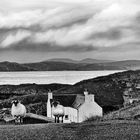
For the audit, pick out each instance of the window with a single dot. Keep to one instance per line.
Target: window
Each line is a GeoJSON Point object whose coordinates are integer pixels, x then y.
{"type": "Point", "coordinates": [66, 117]}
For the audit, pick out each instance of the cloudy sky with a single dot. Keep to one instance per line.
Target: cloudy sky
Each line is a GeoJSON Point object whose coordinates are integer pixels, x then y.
{"type": "Point", "coordinates": [36, 30]}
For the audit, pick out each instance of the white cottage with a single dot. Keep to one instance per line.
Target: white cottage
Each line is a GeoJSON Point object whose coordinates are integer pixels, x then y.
{"type": "Point", "coordinates": [89, 108]}
{"type": "Point", "coordinates": [82, 108]}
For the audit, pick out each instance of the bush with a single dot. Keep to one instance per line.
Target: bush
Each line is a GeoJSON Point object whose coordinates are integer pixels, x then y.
{"type": "Point", "coordinates": [94, 119]}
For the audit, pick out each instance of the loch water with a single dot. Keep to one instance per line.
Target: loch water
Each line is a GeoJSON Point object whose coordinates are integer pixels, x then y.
{"type": "Point", "coordinates": [47, 77]}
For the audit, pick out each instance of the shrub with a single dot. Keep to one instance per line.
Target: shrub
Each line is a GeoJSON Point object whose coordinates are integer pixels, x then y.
{"type": "Point", "coordinates": [94, 119]}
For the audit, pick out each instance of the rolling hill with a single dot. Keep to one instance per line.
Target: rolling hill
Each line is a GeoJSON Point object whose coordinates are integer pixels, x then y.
{"type": "Point", "coordinates": [71, 65]}
{"type": "Point", "coordinates": [85, 61]}
{"type": "Point", "coordinates": [128, 64]}
{"type": "Point", "coordinates": [11, 66]}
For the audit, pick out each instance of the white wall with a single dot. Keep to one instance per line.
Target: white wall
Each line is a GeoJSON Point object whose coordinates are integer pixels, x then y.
{"type": "Point", "coordinates": [72, 115]}
{"type": "Point", "coordinates": [49, 110]}
{"type": "Point", "coordinates": [89, 109]}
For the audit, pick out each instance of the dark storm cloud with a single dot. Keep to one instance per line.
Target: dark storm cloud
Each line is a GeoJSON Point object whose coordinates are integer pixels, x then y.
{"type": "Point", "coordinates": [111, 34]}
{"type": "Point", "coordinates": [81, 20]}
{"type": "Point", "coordinates": [33, 28]}
{"type": "Point", "coordinates": [38, 27]}
{"type": "Point", "coordinates": [24, 45]}
{"type": "Point", "coordinates": [138, 17]}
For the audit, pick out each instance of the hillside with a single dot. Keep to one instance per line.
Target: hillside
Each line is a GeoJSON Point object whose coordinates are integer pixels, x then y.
{"type": "Point", "coordinates": [130, 113]}
{"type": "Point", "coordinates": [84, 65]}
{"type": "Point", "coordinates": [94, 61]}
{"type": "Point", "coordinates": [85, 61]}
{"type": "Point", "coordinates": [8, 91]}
{"type": "Point", "coordinates": [9, 66]}
{"type": "Point", "coordinates": [128, 64]}
{"type": "Point", "coordinates": [61, 66]}
{"type": "Point", "coordinates": [53, 66]}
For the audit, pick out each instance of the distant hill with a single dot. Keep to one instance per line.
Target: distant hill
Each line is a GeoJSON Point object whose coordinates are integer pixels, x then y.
{"type": "Point", "coordinates": [62, 66]}
{"type": "Point", "coordinates": [71, 65]}
{"type": "Point", "coordinates": [9, 66]}
{"type": "Point", "coordinates": [86, 61]}
{"type": "Point", "coordinates": [94, 61]}
{"type": "Point", "coordinates": [128, 64]}
{"type": "Point", "coordinates": [53, 66]}
{"type": "Point", "coordinates": [66, 60]}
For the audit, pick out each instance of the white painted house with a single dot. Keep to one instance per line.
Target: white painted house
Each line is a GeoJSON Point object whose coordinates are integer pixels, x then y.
{"type": "Point", "coordinates": [83, 107]}
{"type": "Point", "coordinates": [89, 108]}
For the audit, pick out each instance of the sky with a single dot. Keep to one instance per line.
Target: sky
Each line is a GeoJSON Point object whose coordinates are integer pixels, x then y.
{"type": "Point", "coordinates": [37, 30]}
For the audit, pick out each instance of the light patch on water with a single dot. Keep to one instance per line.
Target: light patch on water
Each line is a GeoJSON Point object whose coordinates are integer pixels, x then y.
{"type": "Point", "coordinates": [47, 77]}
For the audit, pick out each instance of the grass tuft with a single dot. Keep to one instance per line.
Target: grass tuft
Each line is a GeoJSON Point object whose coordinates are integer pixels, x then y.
{"type": "Point", "coordinates": [94, 119]}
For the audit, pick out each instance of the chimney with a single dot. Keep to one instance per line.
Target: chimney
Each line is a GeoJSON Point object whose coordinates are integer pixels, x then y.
{"type": "Point", "coordinates": [49, 109]}
{"type": "Point", "coordinates": [50, 95]}
{"type": "Point", "coordinates": [88, 97]}
{"type": "Point", "coordinates": [85, 92]}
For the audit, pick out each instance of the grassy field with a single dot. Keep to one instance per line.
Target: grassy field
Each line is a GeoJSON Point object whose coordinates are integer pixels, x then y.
{"type": "Point", "coordinates": [113, 130]}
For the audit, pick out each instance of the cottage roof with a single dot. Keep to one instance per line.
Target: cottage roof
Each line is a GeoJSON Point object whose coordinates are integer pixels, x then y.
{"type": "Point", "coordinates": [65, 100]}
{"type": "Point", "coordinates": [73, 100]}
{"type": "Point", "coordinates": [79, 100]}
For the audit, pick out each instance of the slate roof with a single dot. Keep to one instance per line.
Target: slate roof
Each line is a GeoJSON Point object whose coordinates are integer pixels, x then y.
{"type": "Point", "coordinates": [70, 100]}
{"type": "Point", "coordinates": [80, 99]}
